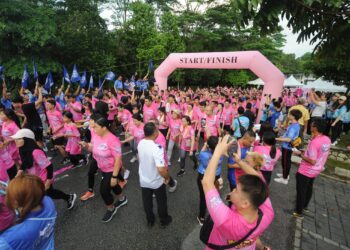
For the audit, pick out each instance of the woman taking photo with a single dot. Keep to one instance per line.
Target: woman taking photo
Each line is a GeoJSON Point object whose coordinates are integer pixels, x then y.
{"type": "Point", "coordinates": [337, 125]}
{"type": "Point", "coordinates": [270, 153]}
{"type": "Point", "coordinates": [37, 215]}
{"type": "Point", "coordinates": [187, 145]}
{"type": "Point", "coordinates": [35, 162]}
{"type": "Point", "coordinates": [106, 150]}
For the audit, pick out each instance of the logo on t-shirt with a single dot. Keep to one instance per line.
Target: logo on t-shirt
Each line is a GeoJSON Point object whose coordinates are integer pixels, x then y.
{"type": "Point", "coordinates": [325, 147]}
{"type": "Point", "coordinates": [102, 146]}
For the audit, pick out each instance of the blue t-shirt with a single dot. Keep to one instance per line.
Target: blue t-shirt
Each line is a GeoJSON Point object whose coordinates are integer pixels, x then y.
{"type": "Point", "coordinates": [346, 117]}
{"type": "Point", "coordinates": [204, 158]}
{"type": "Point", "coordinates": [292, 132]}
{"type": "Point", "coordinates": [231, 171]}
{"type": "Point", "coordinates": [274, 118]}
{"type": "Point", "coordinates": [118, 84]}
{"type": "Point", "coordinates": [144, 85]}
{"type": "Point", "coordinates": [339, 112]}
{"type": "Point", "coordinates": [244, 122]}
{"type": "Point", "coordinates": [6, 103]}
{"type": "Point", "coordinates": [60, 99]}
{"type": "Point", "coordinates": [35, 232]}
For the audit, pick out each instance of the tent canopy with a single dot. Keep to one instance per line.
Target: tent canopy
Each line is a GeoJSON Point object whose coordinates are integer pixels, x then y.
{"type": "Point", "coordinates": [289, 82]}
{"type": "Point", "coordinates": [326, 86]}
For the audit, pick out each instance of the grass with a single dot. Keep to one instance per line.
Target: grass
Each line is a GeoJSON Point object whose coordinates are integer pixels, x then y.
{"type": "Point", "coordinates": [344, 141]}
{"type": "Point", "coordinates": [332, 164]}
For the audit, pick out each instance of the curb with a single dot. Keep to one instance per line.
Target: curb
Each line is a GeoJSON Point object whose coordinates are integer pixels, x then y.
{"type": "Point", "coordinates": [298, 234]}
{"type": "Point", "coordinates": [335, 178]}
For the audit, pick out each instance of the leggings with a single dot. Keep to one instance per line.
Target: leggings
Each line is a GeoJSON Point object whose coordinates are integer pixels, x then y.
{"type": "Point", "coordinates": [171, 145]}
{"type": "Point", "coordinates": [304, 191]}
{"type": "Point", "coordinates": [91, 174]}
{"type": "Point", "coordinates": [12, 172]}
{"type": "Point", "coordinates": [336, 131]}
{"type": "Point", "coordinates": [267, 176]}
{"type": "Point", "coordinates": [183, 154]}
{"type": "Point", "coordinates": [164, 131]}
{"type": "Point", "coordinates": [57, 194]}
{"type": "Point", "coordinates": [286, 162]}
{"type": "Point", "coordinates": [105, 188]}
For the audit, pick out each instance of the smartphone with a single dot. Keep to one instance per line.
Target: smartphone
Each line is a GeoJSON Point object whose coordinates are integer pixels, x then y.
{"type": "Point", "coordinates": [203, 122]}
{"type": "Point", "coordinates": [233, 147]}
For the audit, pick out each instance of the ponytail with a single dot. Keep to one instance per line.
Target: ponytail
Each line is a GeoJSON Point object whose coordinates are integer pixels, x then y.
{"type": "Point", "coordinates": [273, 151]}
{"type": "Point", "coordinates": [269, 138]}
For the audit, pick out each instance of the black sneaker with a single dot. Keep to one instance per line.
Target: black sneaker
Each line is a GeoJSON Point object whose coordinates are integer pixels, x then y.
{"type": "Point", "coordinates": [119, 203]}
{"type": "Point", "coordinates": [167, 222]}
{"type": "Point", "coordinates": [181, 172]}
{"type": "Point", "coordinates": [109, 215]}
{"type": "Point", "coordinates": [71, 201]}
{"type": "Point", "coordinates": [150, 224]}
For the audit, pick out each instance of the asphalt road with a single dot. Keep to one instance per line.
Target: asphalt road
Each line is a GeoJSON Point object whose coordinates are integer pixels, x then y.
{"type": "Point", "coordinates": [81, 227]}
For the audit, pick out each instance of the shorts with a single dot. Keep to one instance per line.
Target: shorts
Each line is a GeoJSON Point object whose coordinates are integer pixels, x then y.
{"type": "Point", "coordinates": [60, 141]}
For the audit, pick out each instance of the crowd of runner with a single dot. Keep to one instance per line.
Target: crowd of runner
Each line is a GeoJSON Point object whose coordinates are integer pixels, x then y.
{"type": "Point", "coordinates": [89, 127]}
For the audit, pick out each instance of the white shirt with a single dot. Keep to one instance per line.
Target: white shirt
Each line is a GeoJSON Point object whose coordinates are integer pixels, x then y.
{"type": "Point", "coordinates": [319, 110]}
{"type": "Point", "coordinates": [151, 156]}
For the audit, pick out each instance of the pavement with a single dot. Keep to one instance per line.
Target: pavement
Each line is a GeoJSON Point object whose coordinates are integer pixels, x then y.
{"type": "Point", "coordinates": [81, 227]}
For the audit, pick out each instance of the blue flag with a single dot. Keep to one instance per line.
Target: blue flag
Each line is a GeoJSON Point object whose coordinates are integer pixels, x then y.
{"type": "Point", "coordinates": [150, 66]}
{"type": "Point", "coordinates": [35, 72]}
{"type": "Point", "coordinates": [99, 83]}
{"type": "Point", "coordinates": [91, 82]}
{"type": "Point", "coordinates": [83, 81]}
{"type": "Point", "coordinates": [2, 72]}
{"type": "Point", "coordinates": [75, 75]}
{"type": "Point", "coordinates": [49, 82]}
{"type": "Point", "coordinates": [110, 76]}
{"type": "Point", "coordinates": [25, 77]}
{"type": "Point", "coordinates": [66, 75]}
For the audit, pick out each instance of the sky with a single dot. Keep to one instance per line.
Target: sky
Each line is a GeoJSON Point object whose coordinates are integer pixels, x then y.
{"type": "Point", "coordinates": [291, 46]}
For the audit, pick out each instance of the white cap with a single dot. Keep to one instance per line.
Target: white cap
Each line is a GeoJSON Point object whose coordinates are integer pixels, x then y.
{"type": "Point", "coordinates": [24, 133]}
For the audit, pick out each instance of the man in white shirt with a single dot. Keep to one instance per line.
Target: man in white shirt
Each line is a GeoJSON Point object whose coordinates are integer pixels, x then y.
{"type": "Point", "coordinates": [153, 176]}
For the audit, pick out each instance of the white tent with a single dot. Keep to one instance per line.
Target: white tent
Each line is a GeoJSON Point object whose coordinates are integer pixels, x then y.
{"type": "Point", "coordinates": [256, 82]}
{"type": "Point", "coordinates": [292, 82]}
{"type": "Point", "coordinates": [326, 86]}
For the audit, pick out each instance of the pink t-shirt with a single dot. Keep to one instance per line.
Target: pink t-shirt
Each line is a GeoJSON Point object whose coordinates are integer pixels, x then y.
{"type": "Point", "coordinates": [40, 163]}
{"type": "Point", "coordinates": [72, 146]}
{"type": "Point", "coordinates": [124, 117]}
{"type": "Point", "coordinates": [265, 151]}
{"type": "Point", "coordinates": [230, 225]}
{"type": "Point", "coordinates": [137, 132]}
{"type": "Point", "coordinates": [213, 124]}
{"type": "Point", "coordinates": [318, 150]}
{"type": "Point", "coordinates": [160, 140]}
{"type": "Point", "coordinates": [163, 121]}
{"type": "Point", "coordinates": [6, 162]}
{"type": "Point", "coordinates": [8, 129]}
{"type": "Point", "coordinates": [187, 135]}
{"type": "Point", "coordinates": [77, 115]}
{"type": "Point", "coordinates": [55, 121]}
{"type": "Point", "coordinates": [112, 104]}
{"type": "Point", "coordinates": [174, 126]}
{"type": "Point", "coordinates": [105, 150]}
{"type": "Point", "coordinates": [149, 113]}
{"type": "Point", "coordinates": [227, 115]}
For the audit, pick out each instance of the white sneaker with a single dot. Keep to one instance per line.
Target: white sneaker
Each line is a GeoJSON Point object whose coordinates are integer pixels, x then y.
{"type": "Point", "coordinates": [133, 159]}
{"type": "Point", "coordinates": [334, 143]}
{"type": "Point", "coordinates": [179, 160]}
{"type": "Point", "coordinates": [126, 174]}
{"type": "Point", "coordinates": [172, 189]}
{"type": "Point", "coordinates": [281, 180]}
{"type": "Point", "coordinates": [280, 175]}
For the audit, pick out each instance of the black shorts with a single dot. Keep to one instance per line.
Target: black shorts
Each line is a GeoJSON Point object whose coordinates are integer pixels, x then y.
{"type": "Point", "coordinates": [60, 141]}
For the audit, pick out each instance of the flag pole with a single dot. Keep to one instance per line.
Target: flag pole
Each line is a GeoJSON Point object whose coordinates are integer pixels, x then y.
{"type": "Point", "coordinates": [102, 84]}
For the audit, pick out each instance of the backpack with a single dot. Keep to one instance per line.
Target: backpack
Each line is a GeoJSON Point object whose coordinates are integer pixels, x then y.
{"type": "Point", "coordinates": [241, 128]}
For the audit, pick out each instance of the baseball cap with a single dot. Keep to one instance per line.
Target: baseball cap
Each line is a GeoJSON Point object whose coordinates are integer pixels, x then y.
{"type": "Point", "coordinates": [343, 97]}
{"type": "Point", "coordinates": [27, 133]}
{"type": "Point", "coordinates": [336, 94]}
{"type": "Point", "coordinates": [177, 111]}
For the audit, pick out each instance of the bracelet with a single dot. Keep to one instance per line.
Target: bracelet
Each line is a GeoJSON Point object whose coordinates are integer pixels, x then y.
{"type": "Point", "coordinates": [114, 177]}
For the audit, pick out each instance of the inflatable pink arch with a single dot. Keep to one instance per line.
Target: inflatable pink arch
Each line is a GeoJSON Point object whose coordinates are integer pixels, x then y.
{"type": "Point", "coordinates": [253, 60]}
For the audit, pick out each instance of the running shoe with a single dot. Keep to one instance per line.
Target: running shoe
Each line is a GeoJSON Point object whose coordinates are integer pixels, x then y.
{"type": "Point", "coordinates": [133, 159]}
{"type": "Point", "coordinates": [109, 215]}
{"type": "Point", "coordinates": [87, 195]}
{"type": "Point", "coordinates": [200, 221]}
{"type": "Point", "coordinates": [120, 203]}
{"type": "Point", "coordinates": [297, 215]}
{"type": "Point", "coordinates": [71, 201]}
{"type": "Point", "coordinates": [281, 180]}
{"type": "Point", "coordinates": [181, 173]}
{"type": "Point", "coordinates": [280, 175]}
{"type": "Point", "coordinates": [167, 222]}
{"type": "Point", "coordinates": [126, 174]}
{"type": "Point", "coordinates": [173, 188]}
